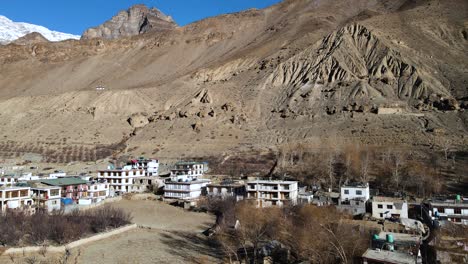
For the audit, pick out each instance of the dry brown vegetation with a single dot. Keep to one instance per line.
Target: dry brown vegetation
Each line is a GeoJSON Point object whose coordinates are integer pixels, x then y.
{"type": "Point", "coordinates": [388, 168]}
{"type": "Point", "coordinates": [303, 233]}
{"type": "Point", "coordinates": [19, 228]}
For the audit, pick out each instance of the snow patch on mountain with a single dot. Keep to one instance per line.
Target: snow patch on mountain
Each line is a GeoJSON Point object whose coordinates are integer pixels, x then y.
{"type": "Point", "coordinates": [10, 31]}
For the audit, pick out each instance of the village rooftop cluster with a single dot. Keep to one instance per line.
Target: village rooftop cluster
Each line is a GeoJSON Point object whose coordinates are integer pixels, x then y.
{"type": "Point", "coordinates": [188, 183]}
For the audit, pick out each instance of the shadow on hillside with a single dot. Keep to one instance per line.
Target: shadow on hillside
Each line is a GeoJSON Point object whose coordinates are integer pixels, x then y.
{"type": "Point", "coordinates": [192, 247]}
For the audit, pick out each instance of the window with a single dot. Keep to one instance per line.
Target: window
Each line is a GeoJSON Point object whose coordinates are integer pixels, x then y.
{"type": "Point", "coordinates": [457, 210]}
{"type": "Point", "coordinates": [358, 192]}
{"type": "Point", "coordinates": [441, 210]}
{"type": "Point", "coordinates": [381, 214]}
{"type": "Point", "coordinates": [389, 206]}
{"type": "Point", "coordinates": [346, 191]}
{"type": "Point", "coordinates": [380, 206]}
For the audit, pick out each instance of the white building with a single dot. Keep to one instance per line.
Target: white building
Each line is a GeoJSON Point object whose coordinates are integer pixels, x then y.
{"type": "Point", "coordinates": [192, 170]}
{"type": "Point", "coordinates": [451, 210]}
{"type": "Point", "coordinates": [355, 191]}
{"type": "Point", "coordinates": [8, 180]}
{"type": "Point", "coordinates": [270, 193]}
{"type": "Point", "coordinates": [15, 198]}
{"type": "Point", "coordinates": [123, 181]}
{"type": "Point", "coordinates": [150, 166]}
{"type": "Point", "coordinates": [98, 190]}
{"type": "Point", "coordinates": [185, 190]}
{"type": "Point", "coordinates": [47, 197]}
{"type": "Point", "coordinates": [388, 207]}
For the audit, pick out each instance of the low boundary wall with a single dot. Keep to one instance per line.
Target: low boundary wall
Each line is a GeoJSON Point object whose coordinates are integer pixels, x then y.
{"type": "Point", "coordinates": [61, 249]}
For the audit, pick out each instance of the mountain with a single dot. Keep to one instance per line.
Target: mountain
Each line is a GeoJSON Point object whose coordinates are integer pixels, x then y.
{"type": "Point", "coordinates": [136, 20]}
{"type": "Point", "coordinates": [368, 71]}
{"type": "Point", "coordinates": [10, 31]}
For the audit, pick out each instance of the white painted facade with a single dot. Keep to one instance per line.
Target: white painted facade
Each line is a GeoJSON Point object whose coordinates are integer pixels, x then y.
{"type": "Point", "coordinates": [98, 190]}
{"type": "Point", "coordinates": [387, 207]}
{"type": "Point", "coordinates": [272, 193]}
{"type": "Point", "coordinates": [150, 166]}
{"type": "Point", "coordinates": [123, 181]}
{"type": "Point", "coordinates": [185, 190]}
{"type": "Point", "coordinates": [352, 192]}
{"type": "Point", "coordinates": [47, 197]}
{"type": "Point", "coordinates": [8, 180]}
{"type": "Point", "coordinates": [15, 198]}
{"type": "Point", "coordinates": [189, 169]}
{"type": "Point", "coordinates": [451, 210]}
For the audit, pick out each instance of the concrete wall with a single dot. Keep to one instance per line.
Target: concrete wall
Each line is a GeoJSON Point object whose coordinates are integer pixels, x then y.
{"type": "Point", "coordinates": [60, 249]}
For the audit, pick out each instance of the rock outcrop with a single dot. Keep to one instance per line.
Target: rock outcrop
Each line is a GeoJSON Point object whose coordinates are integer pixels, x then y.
{"type": "Point", "coordinates": [137, 20]}
{"type": "Point", "coordinates": [349, 65]}
{"type": "Point", "coordinates": [31, 38]}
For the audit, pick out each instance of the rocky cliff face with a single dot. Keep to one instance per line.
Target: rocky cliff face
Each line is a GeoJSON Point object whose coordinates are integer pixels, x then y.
{"type": "Point", "coordinates": [137, 20]}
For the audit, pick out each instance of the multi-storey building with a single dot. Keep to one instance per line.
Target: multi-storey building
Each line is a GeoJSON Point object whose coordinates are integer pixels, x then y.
{"type": "Point", "coordinates": [46, 197]}
{"type": "Point", "coordinates": [226, 189]}
{"type": "Point", "coordinates": [8, 180]}
{"type": "Point", "coordinates": [123, 181]}
{"type": "Point", "coordinates": [185, 190]}
{"type": "Point", "coordinates": [192, 170]}
{"type": "Point", "coordinates": [184, 182]}
{"type": "Point", "coordinates": [98, 190]}
{"type": "Point", "coordinates": [15, 198]}
{"type": "Point", "coordinates": [149, 166]}
{"type": "Point", "coordinates": [389, 207]}
{"type": "Point", "coordinates": [272, 193]}
{"type": "Point", "coordinates": [71, 187]}
{"type": "Point", "coordinates": [450, 210]}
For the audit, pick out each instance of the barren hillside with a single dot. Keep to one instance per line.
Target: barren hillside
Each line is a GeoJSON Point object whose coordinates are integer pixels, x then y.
{"type": "Point", "coordinates": [301, 70]}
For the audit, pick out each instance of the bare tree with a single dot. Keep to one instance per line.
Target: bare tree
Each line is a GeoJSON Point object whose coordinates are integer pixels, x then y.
{"type": "Point", "coordinates": [446, 144]}
{"type": "Point", "coordinates": [365, 167]}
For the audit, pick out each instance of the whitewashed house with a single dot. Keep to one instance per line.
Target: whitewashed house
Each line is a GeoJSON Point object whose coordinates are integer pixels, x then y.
{"type": "Point", "coordinates": [185, 190]}
{"type": "Point", "coordinates": [450, 210]}
{"type": "Point", "coordinates": [123, 181]}
{"type": "Point", "coordinates": [98, 190]}
{"type": "Point", "coordinates": [354, 191]}
{"type": "Point", "coordinates": [272, 193]}
{"type": "Point", "coordinates": [149, 166]}
{"type": "Point", "coordinates": [15, 198]}
{"type": "Point", "coordinates": [389, 207]}
{"type": "Point", "coordinates": [46, 197]}
{"type": "Point", "coordinates": [185, 181]}
{"type": "Point", "coordinates": [8, 180]}
{"type": "Point", "coordinates": [192, 169]}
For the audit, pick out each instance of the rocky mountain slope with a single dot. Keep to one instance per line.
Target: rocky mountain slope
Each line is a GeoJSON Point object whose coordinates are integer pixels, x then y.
{"type": "Point", "coordinates": [369, 71]}
{"type": "Point", "coordinates": [138, 19]}
{"type": "Point", "coordinates": [10, 31]}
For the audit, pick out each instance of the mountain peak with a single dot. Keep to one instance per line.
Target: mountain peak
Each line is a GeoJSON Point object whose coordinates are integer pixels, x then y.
{"type": "Point", "coordinates": [136, 20]}
{"type": "Point", "coordinates": [10, 31]}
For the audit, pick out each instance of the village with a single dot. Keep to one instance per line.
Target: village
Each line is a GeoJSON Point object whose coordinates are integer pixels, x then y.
{"type": "Point", "coordinates": [401, 227]}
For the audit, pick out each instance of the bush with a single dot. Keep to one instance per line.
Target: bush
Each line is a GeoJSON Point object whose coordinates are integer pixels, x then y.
{"type": "Point", "coordinates": [18, 228]}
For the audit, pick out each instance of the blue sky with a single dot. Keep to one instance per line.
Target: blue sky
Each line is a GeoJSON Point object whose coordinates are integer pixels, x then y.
{"type": "Point", "coordinates": [74, 16]}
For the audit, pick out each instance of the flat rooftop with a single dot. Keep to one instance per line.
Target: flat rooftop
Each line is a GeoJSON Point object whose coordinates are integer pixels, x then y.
{"type": "Point", "coordinates": [272, 182]}
{"type": "Point", "coordinates": [386, 256]}
{"type": "Point", "coordinates": [388, 199]}
{"type": "Point", "coordinates": [189, 182]}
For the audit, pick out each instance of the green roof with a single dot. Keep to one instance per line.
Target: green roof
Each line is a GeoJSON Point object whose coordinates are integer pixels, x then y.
{"type": "Point", "coordinates": [64, 181]}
